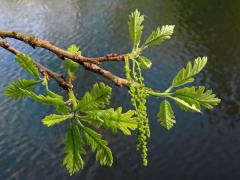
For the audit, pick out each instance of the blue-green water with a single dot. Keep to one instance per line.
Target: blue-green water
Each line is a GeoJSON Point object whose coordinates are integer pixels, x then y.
{"type": "Point", "coordinates": [198, 147]}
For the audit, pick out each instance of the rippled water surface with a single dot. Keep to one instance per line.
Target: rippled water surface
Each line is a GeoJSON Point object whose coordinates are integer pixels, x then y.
{"type": "Point", "coordinates": [203, 146]}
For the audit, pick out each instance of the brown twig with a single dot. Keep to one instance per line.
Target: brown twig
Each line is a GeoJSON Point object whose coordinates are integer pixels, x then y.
{"type": "Point", "coordinates": [107, 74]}
{"type": "Point", "coordinates": [38, 42]}
{"type": "Point", "coordinates": [45, 71]}
{"type": "Point", "coordinates": [88, 63]}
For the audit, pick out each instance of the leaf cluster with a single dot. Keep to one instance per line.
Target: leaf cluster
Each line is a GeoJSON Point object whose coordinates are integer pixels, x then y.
{"type": "Point", "coordinates": [134, 63]}
{"type": "Point", "coordinates": [187, 98]}
{"type": "Point", "coordinates": [81, 115]}
{"type": "Point", "coordinates": [89, 112]}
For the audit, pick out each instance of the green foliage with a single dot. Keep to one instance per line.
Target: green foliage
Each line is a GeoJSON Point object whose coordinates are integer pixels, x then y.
{"type": "Point", "coordinates": [90, 109]}
{"type": "Point", "coordinates": [97, 98]}
{"type": "Point", "coordinates": [73, 149]}
{"type": "Point", "coordinates": [185, 106]}
{"type": "Point", "coordinates": [135, 27]}
{"type": "Point", "coordinates": [95, 141]}
{"type": "Point", "coordinates": [187, 99]}
{"type": "Point", "coordinates": [113, 119]}
{"type": "Point", "coordinates": [26, 63]}
{"type": "Point", "coordinates": [58, 103]}
{"type": "Point", "coordinates": [14, 89]}
{"type": "Point", "coordinates": [166, 115]}
{"type": "Point", "coordinates": [55, 119]}
{"type": "Point", "coordinates": [53, 95]}
{"type": "Point", "coordinates": [73, 99]}
{"type": "Point", "coordinates": [70, 65]}
{"type": "Point", "coordinates": [93, 118]}
{"type": "Point", "coordinates": [158, 36]}
{"type": "Point", "coordinates": [145, 62]}
{"type": "Point", "coordinates": [116, 120]}
{"type": "Point", "coordinates": [185, 75]}
{"type": "Point", "coordinates": [198, 97]}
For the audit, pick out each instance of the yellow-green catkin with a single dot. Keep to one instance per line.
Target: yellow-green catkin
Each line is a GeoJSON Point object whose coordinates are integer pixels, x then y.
{"type": "Point", "coordinates": [138, 100]}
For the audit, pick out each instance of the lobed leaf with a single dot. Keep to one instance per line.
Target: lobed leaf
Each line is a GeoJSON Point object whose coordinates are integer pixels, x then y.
{"type": "Point", "coordinates": [58, 103]}
{"type": "Point", "coordinates": [26, 63]}
{"type": "Point", "coordinates": [14, 89]}
{"type": "Point", "coordinates": [198, 97]}
{"type": "Point", "coordinates": [158, 36]}
{"type": "Point", "coordinates": [98, 97]}
{"type": "Point", "coordinates": [55, 119]}
{"type": "Point", "coordinates": [93, 118]}
{"type": "Point", "coordinates": [135, 27]}
{"type": "Point", "coordinates": [113, 119]}
{"type": "Point", "coordinates": [166, 115]}
{"type": "Point", "coordinates": [185, 75]}
{"type": "Point", "coordinates": [53, 95]}
{"type": "Point", "coordinates": [185, 105]}
{"type": "Point", "coordinates": [95, 141]}
{"type": "Point", "coordinates": [73, 150]}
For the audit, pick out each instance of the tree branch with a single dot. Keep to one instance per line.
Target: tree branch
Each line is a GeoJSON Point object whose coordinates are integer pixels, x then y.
{"type": "Point", "coordinates": [88, 63]}
{"type": "Point", "coordinates": [38, 42]}
{"type": "Point", "coordinates": [107, 74]}
{"type": "Point", "coordinates": [45, 71]}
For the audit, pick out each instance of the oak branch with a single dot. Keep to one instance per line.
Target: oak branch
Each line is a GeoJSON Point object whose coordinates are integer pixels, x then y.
{"type": "Point", "coordinates": [90, 63]}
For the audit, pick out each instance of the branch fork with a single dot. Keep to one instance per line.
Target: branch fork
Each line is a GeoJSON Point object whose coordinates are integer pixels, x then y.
{"type": "Point", "coordinates": [89, 63]}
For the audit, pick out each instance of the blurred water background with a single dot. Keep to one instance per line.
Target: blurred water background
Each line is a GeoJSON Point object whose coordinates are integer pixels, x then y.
{"type": "Point", "coordinates": [198, 147]}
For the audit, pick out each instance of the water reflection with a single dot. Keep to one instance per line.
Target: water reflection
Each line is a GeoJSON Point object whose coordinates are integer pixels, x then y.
{"type": "Point", "coordinates": [198, 147]}
{"type": "Point", "coordinates": [218, 33]}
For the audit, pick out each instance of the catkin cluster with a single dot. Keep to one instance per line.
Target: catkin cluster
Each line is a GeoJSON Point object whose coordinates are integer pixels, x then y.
{"type": "Point", "coordinates": [138, 100]}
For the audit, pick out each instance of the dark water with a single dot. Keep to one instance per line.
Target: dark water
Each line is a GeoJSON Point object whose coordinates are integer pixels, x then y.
{"type": "Point", "coordinates": [198, 147]}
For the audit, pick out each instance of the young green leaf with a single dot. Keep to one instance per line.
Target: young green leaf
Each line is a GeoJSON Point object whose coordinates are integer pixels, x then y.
{"type": "Point", "coordinates": [73, 149]}
{"type": "Point", "coordinates": [94, 139]}
{"type": "Point", "coordinates": [185, 75]}
{"type": "Point", "coordinates": [43, 99]}
{"type": "Point", "coordinates": [55, 119]}
{"type": "Point", "coordinates": [62, 109]}
{"type": "Point", "coordinates": [186, 106]}
{"type": "Point", "coordinates": [113, 119]}
{"type": "Point", "coordinates": [145, 62]}
{"type": "Point", "coordinates": [116, 120]}
{"type": "Point", "coordinates": [27, 63]}
{"type": "Point", "coordinates": [58, 103]}
{"type": "Point", "coordinates": [53, 95]}
{"type": "Point", "coordinates": [199, 97]}
{"type": "Point", "coordinates": [14, 89]}
{"type": "Point", "coordinates": [93, 118]}
{"type": "Point", "coordinates": [98, 97]}
{"type": "Point", "coordinates": [73, 99]}
{"type": "Point", "coordinates": [158, 36]}
{"type": "Point", "coordinates": [74, 49]}
{"type": "Point", "coordinates": [135, 27]}
{"type": "Point", "coordinates": [166, 115]}
{"type": "Point", "coordinates": [70, 65]}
